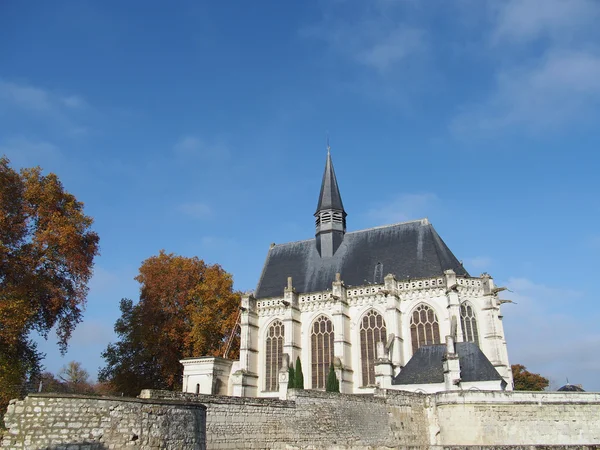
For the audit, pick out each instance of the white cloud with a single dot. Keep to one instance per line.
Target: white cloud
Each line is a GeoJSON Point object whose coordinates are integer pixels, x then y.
{"type": "Point", "coordinates": [520, 21]}
{"type": "Point", "coordinates": [194, 147]}
{"type": "Point", "coordinates": [196, 210]}
{"type": "Point", "coordinates": [549, 331]}
{"type": "Point", "coordinates": [24, 152]}
{"type": "Point", "coordinates": [478, 262]}
{"type": "Point", "coordinates": [550, 93]}
{"type": "Point", "coordinates": [377, 37]}
{"type": "Point", "coordinates": [43, 103]}
{"type": "Point", "coordinates": [404, 207]}
{"type": "Point", "coordinates": [24, 96]}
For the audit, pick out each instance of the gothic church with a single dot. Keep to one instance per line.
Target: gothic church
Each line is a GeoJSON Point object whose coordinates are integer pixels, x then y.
{"type": "Point", "coordinates": [389, 307]}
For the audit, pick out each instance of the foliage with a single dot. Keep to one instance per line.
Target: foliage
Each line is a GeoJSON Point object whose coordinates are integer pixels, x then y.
{"type": "Point", "coordinates": [46, 258]}
{"type": "Point", "coordinates": [298, 376]}
{"type": "Point", "coordinates": [291, 377]}
{"type": "Point", "coordinates": [186, 308]}
{"type": "Point", "coordinates": [72, 379]}
{"type": "Point", "coordinates": [527, 381]}
{"type": "Point", "coordinates": [332, 384]}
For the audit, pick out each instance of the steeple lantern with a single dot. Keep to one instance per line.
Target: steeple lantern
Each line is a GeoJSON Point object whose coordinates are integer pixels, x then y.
{"type": "Point", "coordinates": [330, 218]}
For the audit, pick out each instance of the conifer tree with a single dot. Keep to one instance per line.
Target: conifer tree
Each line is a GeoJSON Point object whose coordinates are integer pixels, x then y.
{"type": "Point", "coordinates": [298, 376]}
{"type": "Point", "coordinates": [291, 376]}
{"type": "Point", "coordinates": [332, 385]}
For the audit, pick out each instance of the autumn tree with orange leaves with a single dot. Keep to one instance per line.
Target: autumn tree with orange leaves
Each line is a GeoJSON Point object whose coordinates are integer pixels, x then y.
{"type": "Point", "coordinates": [47, 250]}
{"type": "Point", "coordinates": [527, 381]}
{"type": "Point", "coordinates": [186, 308]}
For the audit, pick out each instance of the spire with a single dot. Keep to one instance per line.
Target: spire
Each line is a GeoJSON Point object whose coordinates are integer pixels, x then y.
{"type": "Point", "coordinates": [330, 215]}
{"type": "Point", "coordinates": [330, 197]}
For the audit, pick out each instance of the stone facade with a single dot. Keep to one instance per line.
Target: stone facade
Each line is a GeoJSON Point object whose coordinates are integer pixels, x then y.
{"type": "Point", "coordinates": [52, 421]}
{"type": "Point", "coordinates": [346, 306]}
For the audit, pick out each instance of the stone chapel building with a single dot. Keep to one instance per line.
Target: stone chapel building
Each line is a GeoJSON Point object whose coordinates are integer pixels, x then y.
{"type": "Point", "coordinates": [389, 307]}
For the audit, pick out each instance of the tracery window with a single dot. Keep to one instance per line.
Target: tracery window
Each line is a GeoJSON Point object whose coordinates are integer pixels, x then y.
{"type": "Point", "coordinates": [424, 327]}
{"type": "Point", "coordinates": [321, 343]}
{"type": "Point", "coordinates": [372, 331]}
{"type": "Point", "coordinates": [274, 355]}
{"type": "Point", "coordinates": [468, 323]}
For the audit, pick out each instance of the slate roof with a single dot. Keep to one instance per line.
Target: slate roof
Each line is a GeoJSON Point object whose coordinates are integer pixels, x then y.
{"type": "Point", "coordinates": [571, 388]}
{"type": "Point", "coordinates": [329, 197]}
{"type": "Point", "coordinates": [406, 250]}
{"type": "Point", "coordinates": [426, 367]}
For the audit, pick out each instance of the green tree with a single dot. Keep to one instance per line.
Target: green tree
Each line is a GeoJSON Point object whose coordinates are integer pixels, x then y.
{"type": "Point", "coordinates": [527, 381]}
{"type": "Point", "coordinates": [186, 308]}
{"type": "Point", "coordinates": [298, 376]}
{"type": "Point", "coordinates": [47, 250]}
{"type": "Point", "coordinates": [332, 384]}
{"type": "Point", "coordinates": [291, 377]}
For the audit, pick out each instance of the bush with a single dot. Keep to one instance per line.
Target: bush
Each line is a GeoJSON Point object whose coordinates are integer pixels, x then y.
{"type": "Point", "coordinates": [298, 376]}
{"type": "Point", "coordinates": [333, 384]}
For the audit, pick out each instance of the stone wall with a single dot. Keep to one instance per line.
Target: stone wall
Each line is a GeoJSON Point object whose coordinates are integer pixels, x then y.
{"type": "Point", "coordinates": [308, 420]}
{"type": "Point", "coordinates": [516, 418]}
{"type": "Point", "coordinates": [55, 421]}
{"type": "Point", "coordinates": [312, 419]}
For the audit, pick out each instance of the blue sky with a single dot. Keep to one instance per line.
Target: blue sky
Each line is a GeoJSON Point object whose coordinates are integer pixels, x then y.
{"type": "Point", "coordinates": [200, 127]}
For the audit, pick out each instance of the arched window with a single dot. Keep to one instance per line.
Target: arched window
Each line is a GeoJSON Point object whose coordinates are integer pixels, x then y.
{"type": "Point", "coordinates": [198, 388]}
{"type": "Point", "coordinates": [321, 345]}
{"type": "Point", "coordinates": [424, 327]}
{"type": "Point", "coordinates": [468, 323]}
{"type": "Point", "coordinates": [372, 331]}
{"type": "Point", "coordinates": [273, 354]}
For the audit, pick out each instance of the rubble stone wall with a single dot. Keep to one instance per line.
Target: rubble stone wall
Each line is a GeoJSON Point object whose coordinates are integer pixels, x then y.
{"type": "Point", "coordinates": [311, 419]}
{"type": "Point", "coordinates": [56, 421]}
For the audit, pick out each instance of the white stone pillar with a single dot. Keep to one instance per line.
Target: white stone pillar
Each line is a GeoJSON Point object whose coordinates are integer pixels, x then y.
{"type": "Point", "coordinates": [284, 377]}
{"type": "Point", "coordinates": [393, 320]}
{"type": "Point", "coordinates": [493, 342]}
{"type": "Point", "coordinates": [384, 370]}
{"type": "Point", "coordinates": [453, 303]}
{"type": "Point", "coordinates": [245, 380]}
{"type": "Point", "coordinates": [291, 323]}
{"type": "Point", "coordinates": [451, 366]}
{"type": "Point", "coordinates": [341, 343]}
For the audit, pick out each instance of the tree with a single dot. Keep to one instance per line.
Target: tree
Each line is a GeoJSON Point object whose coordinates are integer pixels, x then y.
{"type": "Point", "coordinates": [332, 384]}
{"type": "Point", "coordinates": [46, 258]}
{"type": "Point", "coordinates": [527, 381]}
{"type": "Point", "coordinates": [291, 377]}
{"type": "Point", "coordinates": [76, 378]}
{"type": "Point", "coordinates": [298, 376]}
{"type": "Point", "coordinates": [186, 308]}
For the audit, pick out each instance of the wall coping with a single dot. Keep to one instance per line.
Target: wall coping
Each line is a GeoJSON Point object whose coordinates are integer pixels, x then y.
{"type": "Point", "coordinates": [147, 401]}
{"type": "Point", "coordinates": [516, 397]}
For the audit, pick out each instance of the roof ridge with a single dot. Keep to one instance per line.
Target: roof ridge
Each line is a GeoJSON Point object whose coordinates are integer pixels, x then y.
{"type": "Point", "coordinates": [424, 221]}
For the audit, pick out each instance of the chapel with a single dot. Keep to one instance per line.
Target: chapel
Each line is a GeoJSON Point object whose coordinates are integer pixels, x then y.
{"type": "Point", "coordinates": [389, 307]}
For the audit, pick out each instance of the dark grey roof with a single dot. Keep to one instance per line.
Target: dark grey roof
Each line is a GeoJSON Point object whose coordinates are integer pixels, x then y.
{"type": "Point", "coordinates": [426, 365]}
{"type": "Point", "coordinates": [571, 388]}
{"type": "Point", "coordinates": [330, 197]}
{"type": "Point", "coordinates": [406, 250]}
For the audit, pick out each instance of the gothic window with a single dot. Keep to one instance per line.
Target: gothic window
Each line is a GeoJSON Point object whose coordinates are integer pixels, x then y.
{"type": "Point", "coordinates": [424, 327]}
{"type": "Point", "coordinates": [321, 344]}
{"type": "Point", "coordinates": [468, 323]}
{"type": "Point", "coordinates": [372, 331]}
{"type": "Point", "coordinates": [274, 354]}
